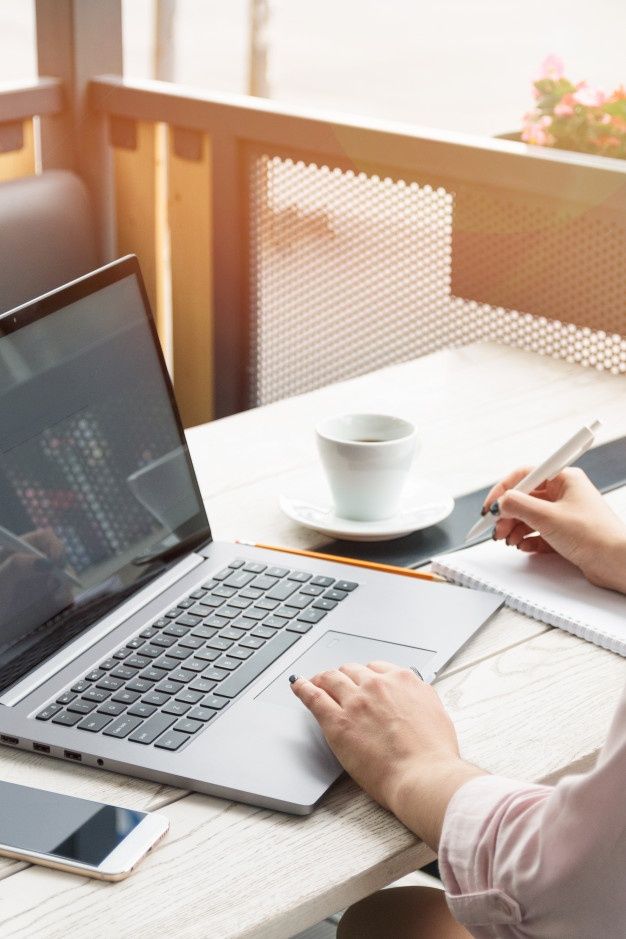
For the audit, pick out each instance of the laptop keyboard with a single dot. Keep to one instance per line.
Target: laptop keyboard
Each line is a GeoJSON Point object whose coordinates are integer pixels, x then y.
{"type": "Point", "coordinates": [172, 678]}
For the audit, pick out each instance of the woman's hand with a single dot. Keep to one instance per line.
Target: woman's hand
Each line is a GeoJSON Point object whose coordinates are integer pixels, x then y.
{"type": "Point", "coordinates": [571, 518]}
{"type": "Point", "coordinates": [391, 733]}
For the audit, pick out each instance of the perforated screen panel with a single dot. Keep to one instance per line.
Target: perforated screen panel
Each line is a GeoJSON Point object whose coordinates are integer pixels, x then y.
{"type": "Point", "coordinates": [351, 272]}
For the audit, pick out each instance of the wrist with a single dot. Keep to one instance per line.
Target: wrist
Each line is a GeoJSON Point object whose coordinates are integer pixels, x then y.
{"type": "Point", "coordinates": [421, 792]}
{"type": "Point", "coordinates": [612, 557]}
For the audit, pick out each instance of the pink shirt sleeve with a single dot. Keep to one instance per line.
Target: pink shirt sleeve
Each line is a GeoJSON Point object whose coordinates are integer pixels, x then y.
{"type": "Point", "coordinates": [541, 862]}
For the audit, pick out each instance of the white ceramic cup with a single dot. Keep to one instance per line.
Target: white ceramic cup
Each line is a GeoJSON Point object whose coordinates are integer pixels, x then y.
{"type": "Point", "coordinates": [366, 458]}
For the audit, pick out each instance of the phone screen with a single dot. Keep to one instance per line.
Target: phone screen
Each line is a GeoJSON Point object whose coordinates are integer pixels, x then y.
{"type": "Point", "coordinates": [62, 826]}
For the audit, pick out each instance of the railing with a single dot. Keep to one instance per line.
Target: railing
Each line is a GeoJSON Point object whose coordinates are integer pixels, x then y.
{"type": "Point", "coordinates": [283, 250]}
{"type": "Point", "coordinates": [307, 248]}
{"type": "Point", "coordinates": [20, 107]}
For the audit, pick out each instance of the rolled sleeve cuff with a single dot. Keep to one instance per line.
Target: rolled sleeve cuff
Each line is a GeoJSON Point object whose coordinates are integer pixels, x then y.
{"type": "Point", "coordinates": [466, 872]}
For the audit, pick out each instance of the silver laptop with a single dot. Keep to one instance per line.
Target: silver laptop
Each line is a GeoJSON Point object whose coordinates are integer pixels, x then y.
{"type": "Point", "coordinates": [129, 639]}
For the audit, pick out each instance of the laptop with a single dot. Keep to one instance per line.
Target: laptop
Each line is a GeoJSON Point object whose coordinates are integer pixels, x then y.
{"type": "Point", "coordinates": [129, 638]}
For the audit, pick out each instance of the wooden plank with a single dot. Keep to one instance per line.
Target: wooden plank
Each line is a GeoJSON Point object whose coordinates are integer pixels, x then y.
{"type": "Point", "coordinates": [190, 221]}
{"type": "Point", "coordinates": [544, 703]}
{"type": "Point", "coordinates": [137, 195]}
{"type": "Point", "coordinates": [18, 163]}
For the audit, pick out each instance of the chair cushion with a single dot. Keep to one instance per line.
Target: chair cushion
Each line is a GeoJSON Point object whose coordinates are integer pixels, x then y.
{"type": "Point", "coordinates": [47, 235]}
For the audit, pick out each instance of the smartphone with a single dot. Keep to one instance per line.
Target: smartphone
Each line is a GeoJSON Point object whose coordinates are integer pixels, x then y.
{"type": "Point", "coordinates": [76, 835]}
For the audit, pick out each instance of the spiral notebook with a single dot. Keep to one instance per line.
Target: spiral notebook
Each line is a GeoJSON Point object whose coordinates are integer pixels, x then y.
{"type": "Point", "coordinates": [542, 586]}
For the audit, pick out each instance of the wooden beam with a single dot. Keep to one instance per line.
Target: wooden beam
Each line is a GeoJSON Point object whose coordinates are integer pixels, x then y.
{"type": "Point", "coordinates": [20, 162]}
{"type": "Point", "coordinates": [190, 220]}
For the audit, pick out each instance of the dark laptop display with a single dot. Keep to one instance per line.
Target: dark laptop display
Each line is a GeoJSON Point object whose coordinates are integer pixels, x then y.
{"type": "Point", "coordinates": [96, 486]}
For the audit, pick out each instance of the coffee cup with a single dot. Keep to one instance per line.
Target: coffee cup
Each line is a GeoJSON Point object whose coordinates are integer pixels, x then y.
{"type": "Point", "coordinates": [366, 458]}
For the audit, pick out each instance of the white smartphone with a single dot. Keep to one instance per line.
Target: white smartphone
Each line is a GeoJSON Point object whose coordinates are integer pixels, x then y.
{"type": "Point", "coordinates": [76, 835]}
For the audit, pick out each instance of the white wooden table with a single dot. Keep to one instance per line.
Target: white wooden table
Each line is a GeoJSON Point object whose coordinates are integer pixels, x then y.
{"type": "Point", "coordinates": [527, 701]}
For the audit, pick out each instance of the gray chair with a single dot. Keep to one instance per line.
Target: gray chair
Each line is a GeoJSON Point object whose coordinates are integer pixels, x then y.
{"type": "Point", "coordinates": [47, 235]}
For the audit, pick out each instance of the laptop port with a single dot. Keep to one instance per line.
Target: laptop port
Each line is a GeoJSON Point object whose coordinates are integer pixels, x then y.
{"type": "Point", "coordinates": [72, 755]}
{"type": "Point", "coordinates": [4, 738]}
{"type": "Point", "coordinates": [41, 747]}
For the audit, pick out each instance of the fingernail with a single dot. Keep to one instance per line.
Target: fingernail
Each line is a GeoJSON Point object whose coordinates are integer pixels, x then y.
{"type": "Point", "coordinates": [484, 510]}
{"type": "Point", "coordinates": [293, 678]}
{"type": "Point", "coordinates": [494, 535]}
{"type": "Point", "coordinates": [495, 508]}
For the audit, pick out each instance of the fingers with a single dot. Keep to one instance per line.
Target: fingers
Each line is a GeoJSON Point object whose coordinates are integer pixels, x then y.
{"type": "Point", "coordinates": [354, 671]}
{"type": "Point", "coordinates": [382, 667]}
{"type": "Point", "coordinates": [535, 545]}
{"type": "Point", "coordinates": [320, 704]}
{"type": "Point", "coordinates": [535, 512]}
{"type": "Point", "coordinates": [518, 532]}
{"type": "Point", "coordinates": [336, 684]}
{"type": "Point", "coordinates": [507, 483]}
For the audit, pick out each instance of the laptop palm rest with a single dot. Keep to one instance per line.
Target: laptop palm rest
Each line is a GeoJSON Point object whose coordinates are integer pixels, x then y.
{"type": "Point", "coordinates": [335, 648]}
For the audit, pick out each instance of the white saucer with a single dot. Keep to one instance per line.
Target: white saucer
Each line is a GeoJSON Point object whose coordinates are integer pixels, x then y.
{"type": "Point", "coordinates": [424, 503]}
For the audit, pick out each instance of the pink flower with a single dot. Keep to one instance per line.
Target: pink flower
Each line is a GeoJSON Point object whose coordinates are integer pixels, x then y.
{"type": "Point", "coordinates": [565, 106]}
{"type": "Point", "coordinates": [590, 97]}
{"type": "Point", "coordinates": [537, 134]}
{"type": "Point", "coordinates": [552, 67]}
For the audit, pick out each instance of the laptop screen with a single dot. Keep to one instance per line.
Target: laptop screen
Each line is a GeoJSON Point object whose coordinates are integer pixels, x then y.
{"type": "Point", "coordinates": [95, 476]}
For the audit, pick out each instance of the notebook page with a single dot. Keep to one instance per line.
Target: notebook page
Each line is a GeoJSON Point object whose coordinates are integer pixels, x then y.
{"type": "Point", "coordinates": [545, 587]}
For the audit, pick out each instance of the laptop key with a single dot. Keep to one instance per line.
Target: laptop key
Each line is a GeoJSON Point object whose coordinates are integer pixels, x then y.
{"type": "Point", "coordinates": [175, 629]}
{"type": "Point", "coordinates": [215, 674]}
{"type": "Point", "coordinates": [207, 655]}
{"type": "Point", "coordinates": [111, 707]}
{"type": "Point", "coordinates": [66, 719]}
{"type": "Point", "coordinates": [125, 697]}
{"type": "Point", "coordinates": [123, 672]}
{"type": "Point", "coordinates": [196, 665]}
{"type": "Point", "coordinates": [200, 684]}
{"type": "Point", "coordinates": [238, 579]}
{"type": "Point", "coordinates": [151, 651]}
{"type": "Point", "coordinates": [300, 577]}
{"type": "Point", "coordinates": [96, 694]}
{"type": "Point", "coordinates": [264, 582]}
{"type": "Point", "coordinates": [265, 604]}
{"type": "Point", "coordinates": [285, 612]}
{"type": "Point", "coordinates": [276, 571]}
{"type": "Point", "coordinates": [95, 675]}
{"type": "Point", "coordinates": [225, 661]}
{"type": "Point", "coordinates": [204, 632]}
{"type": "Point", "coordinates": [301, 628]}
{"type": "Point", "coordinates": [201, 714]}
{"type": "Point", "coordinates": [237, 563]}
{"type": "Point", "coordinates": [252, 642]}
{"type": "Point", "coordinates": [242, 677]}
{"type": "Point", "coordinates": [335, 595]}
{"type": "Point", "coordinates": [319, 581]}
{"type": "Point", "coordinates": [299, 601]}
{"type": "Point", "coordinates": [66, 698]}
{"type": "Point", "coordinates": [254, 567]}
{"type": "Point", "coordinates": [239, 653]}
{"type": "Point", "coordinates": [185, 604]}
{"type": "Point", "coordinates": [163, 641]}
{"type": "Point", "coordinates": [219, 643]}
{"type": "Point", "coordinates": [212, 601]}
{"type": "Point", "coordinates": [149, 674]}
{"type": "Point", "coordinates": [141, 709]}
{"type": "Point", "coordinates": [264, 632]}
{"type": "Point", "coordinates": [274, 622]}
{"type": "Point", "coordinates": [347, 585]}
{"type": "Point", "coordinates": [95, 722]}
{"type": "Point", "coordinates": [222, 575]}
{"type": "Point", "coordinates": [121, 654]}
{"type": "Point", "coordinates": [155, 697]}
{"type": "Point", "coordinates": [251, 593]}
{"type": "Point", "coordinates": [238, 603]}
{"type": "Point", "coordinates": [188, 619]}
{"type": "Point", "coordinates": [142, 684]}
{"type": "Point", "coordinates": [231, 632]}
{"type": "Point", "coordinates": [177, 708]}
{"type": "Point", "coordinates": [187, 726]}
{"type": "Point", "coordinates": [161, 622]}
{"type": "Point", "coordinates": [169, 687]}
{"type": "Point", "coordinates": [179, 653]}
{"type": "Point", "coordinates": [150, 730]}
{"type": "Point", "coordinates": [149, 632]}
{"type": "Point", "coordinates": [198, 594]}
{"type": "Point", "coordinates": [122, 727]}
{"type": "Point", "coordinates": [282, 590]}
{"type": "Point", "coordinates": [135, 643]}
{"type": "Point", "coordinates": [324, 604]}
{"type": "Point", "coordinates": [109, 683]}
{"type": "Point", "coordinates": [137, 661]}
{"type": "Point", "coordinates": [190, 697]}
{"type": "Point", "coordinates": [191, 642]}
{"type": "Point", "coordinates": [311, 590]}
{"type": "Point", "coordinates": [81, 707]}
{"type": "Point", "coordinates": [166, 663]}
{"type": "Point", "coordinates": [223, 590]}
{"type": "Point", "coordinates": [183, 675]}
{"type": "Point", "coordinates": [212, 701]}
{"type": "Point", "coordinates": [49, 711]}
{"type": "Point", "coordinates": [107, 664]}
{"type": "Point", "coordinates": [172, 740]}
{"type": "Point", "coordinates": [311, 616]}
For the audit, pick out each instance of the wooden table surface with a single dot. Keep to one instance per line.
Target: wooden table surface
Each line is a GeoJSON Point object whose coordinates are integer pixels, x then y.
{"type": "Point", "coordinates": [528, 701]}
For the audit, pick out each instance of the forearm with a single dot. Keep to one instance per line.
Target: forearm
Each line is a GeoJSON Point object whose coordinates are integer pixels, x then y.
{"type": "Point", "coordinates": [420, 796]}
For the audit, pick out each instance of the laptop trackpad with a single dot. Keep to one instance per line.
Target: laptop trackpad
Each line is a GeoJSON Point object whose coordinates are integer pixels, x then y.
{"type": "Point", "coordinates": [333, 650]}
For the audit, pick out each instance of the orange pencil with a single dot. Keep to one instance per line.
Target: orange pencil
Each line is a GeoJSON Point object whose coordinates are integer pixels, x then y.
{"type": "Point", "coordinates": [352, 562]}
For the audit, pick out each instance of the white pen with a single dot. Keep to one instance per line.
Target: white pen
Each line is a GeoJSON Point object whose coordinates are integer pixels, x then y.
{"type": "Point", "coordinates": [564, 456]}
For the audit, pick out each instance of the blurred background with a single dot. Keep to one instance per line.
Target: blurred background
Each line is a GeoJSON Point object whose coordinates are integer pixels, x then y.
{"type": "Point", "coordinates": [462, 65]}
